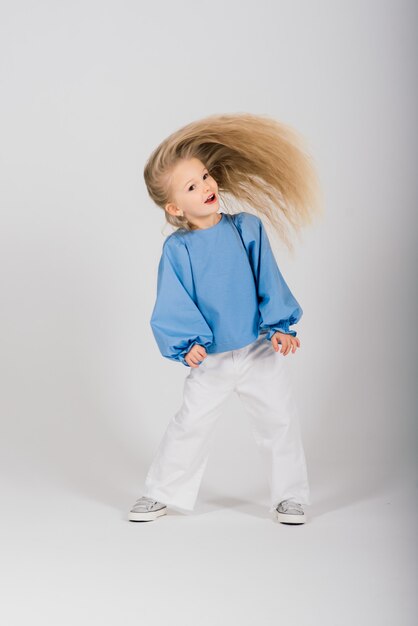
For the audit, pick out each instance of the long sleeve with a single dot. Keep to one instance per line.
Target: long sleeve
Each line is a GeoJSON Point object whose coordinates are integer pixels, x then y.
{"type": "Point", "coordinates": [176, 322]}
{"type": "Point", "coordinates": [277, 306]}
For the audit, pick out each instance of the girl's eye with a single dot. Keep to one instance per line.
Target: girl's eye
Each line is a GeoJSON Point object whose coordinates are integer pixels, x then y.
{"type": "Point", "coordinates": [206, 174]}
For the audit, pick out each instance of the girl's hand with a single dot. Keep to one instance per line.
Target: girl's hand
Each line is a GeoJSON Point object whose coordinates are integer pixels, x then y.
{"type": "Point", "coordinates": [288, 342]}
{"type": "Point", "coordinates": [194, 355]}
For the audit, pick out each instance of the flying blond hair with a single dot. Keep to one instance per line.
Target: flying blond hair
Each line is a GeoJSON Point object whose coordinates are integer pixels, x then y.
{"type": "Point", "coordinates": [260, 165]}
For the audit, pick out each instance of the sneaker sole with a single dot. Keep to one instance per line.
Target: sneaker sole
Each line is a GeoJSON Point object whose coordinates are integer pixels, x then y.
{"type": "Point", "coordinates": [148, 516]}
{"type": "Point", "coordinates": [287, 518]}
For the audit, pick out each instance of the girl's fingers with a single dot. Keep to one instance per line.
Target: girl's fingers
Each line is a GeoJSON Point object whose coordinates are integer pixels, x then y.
{"type": "Point", "coordinates": [191, 359]}
{"type": "Point", "coordinates": [289, 346]}
{"type": "Point", "coordinates": [195, 357]}
{"type": "Point", "coordinates": [292, 345]}
{"type": "Point", "coordinates": [198, 357]}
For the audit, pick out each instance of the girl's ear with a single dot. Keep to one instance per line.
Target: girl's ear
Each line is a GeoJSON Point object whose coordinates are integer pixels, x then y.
{"type": "Point", "coordinates": [173, 210]}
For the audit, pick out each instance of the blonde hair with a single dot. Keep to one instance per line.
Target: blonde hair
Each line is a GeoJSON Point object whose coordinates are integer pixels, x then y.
{"type": "Point", "coordinates": [257, 162]}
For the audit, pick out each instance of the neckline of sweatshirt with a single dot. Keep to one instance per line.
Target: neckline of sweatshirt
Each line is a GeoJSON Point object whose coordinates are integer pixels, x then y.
{"type": "Point", "coordinates": [210, 228]}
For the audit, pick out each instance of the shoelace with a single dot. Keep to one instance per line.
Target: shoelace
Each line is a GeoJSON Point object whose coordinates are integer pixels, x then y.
{"type": "Point", "coordinates": [148, 502]}
{"type": "Point", "coordinates": [288, 504]}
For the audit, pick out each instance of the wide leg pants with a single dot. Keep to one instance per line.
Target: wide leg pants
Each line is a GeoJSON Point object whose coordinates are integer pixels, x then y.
{"type": "Point", "coordinates": [260, 377]}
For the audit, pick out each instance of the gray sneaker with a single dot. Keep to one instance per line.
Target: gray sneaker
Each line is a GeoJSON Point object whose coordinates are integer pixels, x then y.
{"type": "Point", "coordinates": [146, 509]}
{"type": "Point", "coordinates": [289, 512]}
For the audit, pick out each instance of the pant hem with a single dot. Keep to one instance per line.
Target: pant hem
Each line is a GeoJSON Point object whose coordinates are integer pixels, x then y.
{"type": "Point", "coordinates": [172, 505]}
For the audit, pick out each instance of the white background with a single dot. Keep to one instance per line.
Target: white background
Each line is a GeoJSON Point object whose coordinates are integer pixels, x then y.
{"type": "Point", "coordinates": [88, 89]}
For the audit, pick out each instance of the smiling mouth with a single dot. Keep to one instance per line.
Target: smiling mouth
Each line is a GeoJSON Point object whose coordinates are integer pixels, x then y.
{"type": "Point", "coordinates": [211, 199]}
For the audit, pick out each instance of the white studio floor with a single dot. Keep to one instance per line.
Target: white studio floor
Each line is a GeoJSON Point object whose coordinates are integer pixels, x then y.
{"type": "Point", "coordinates": [70, 560]}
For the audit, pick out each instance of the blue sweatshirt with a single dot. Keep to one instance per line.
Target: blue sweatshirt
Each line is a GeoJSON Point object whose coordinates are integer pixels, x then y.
{"type": "Point", "coordinates": [220, 287]}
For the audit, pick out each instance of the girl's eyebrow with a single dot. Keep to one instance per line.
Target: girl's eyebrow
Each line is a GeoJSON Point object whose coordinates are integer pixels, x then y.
{"type": "Point", "coordinates": [193, 178]}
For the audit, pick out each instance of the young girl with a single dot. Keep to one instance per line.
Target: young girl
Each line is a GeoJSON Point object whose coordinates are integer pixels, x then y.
{"type": "Point", "coordinates": [223, 308]}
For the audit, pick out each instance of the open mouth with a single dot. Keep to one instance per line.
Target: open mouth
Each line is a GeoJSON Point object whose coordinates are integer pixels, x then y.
{"type": "Point", "coordinates": [211, 199]}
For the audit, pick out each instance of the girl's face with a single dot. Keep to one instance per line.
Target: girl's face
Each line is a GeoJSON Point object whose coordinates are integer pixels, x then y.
{"type": "Point", "coordinates": [191, 185]}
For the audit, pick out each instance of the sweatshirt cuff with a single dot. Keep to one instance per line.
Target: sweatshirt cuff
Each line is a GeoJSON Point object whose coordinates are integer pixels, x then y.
{"type": "Point", "coordinates": [283, 328]}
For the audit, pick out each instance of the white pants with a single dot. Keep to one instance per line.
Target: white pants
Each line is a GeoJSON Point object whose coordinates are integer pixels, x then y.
{"type": "Point", "coordinates": [260, 377]}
